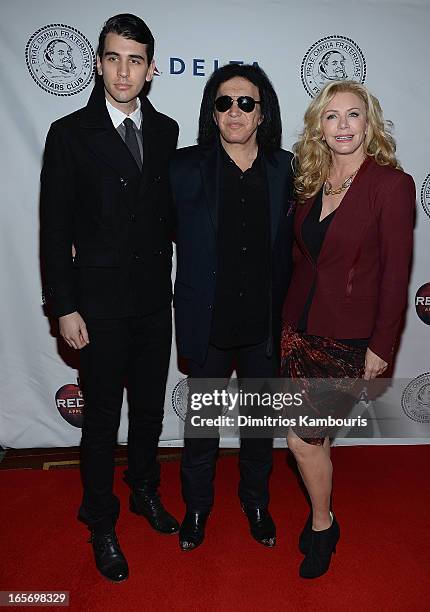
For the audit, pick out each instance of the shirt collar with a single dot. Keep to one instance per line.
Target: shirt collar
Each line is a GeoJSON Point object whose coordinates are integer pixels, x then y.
{"type": "Point", "coordinates": [228, 161]}
{"type": "Point", "coordinates": [118, 116]}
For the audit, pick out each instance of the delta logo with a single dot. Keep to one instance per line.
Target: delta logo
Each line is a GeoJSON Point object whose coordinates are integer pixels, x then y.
{"type": "Point", "coordinates": [197, 67]}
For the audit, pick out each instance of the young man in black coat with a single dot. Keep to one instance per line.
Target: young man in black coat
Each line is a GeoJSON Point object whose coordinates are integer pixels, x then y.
{"type": "Point", "coordinates": [106, 224]}
{"type": "Point", "coordinates": [233, 200]}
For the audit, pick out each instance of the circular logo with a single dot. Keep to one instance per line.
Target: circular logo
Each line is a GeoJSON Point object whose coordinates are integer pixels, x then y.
{"type": "Point", "coordinates": [422, 303]}
{"type": "Point", "coordinates": [416, 399]}
{"type": "Point", "coordinates": [70, 404]}
{"type": "Point", "coordinates": [180, 398]}
{"type": "Point", "coordinates": [425, 195]}
{"type": "Point", "coordinates": [333, 58]}
{"type": "Point", "coordinates": [60, 59]}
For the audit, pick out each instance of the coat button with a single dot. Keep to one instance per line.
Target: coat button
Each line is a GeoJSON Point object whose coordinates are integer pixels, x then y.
{"type": "Point", "coordinates": [210, 307]}
{"type": "Point", "coordinates": [124, 183]}
{"type": "Point", "coordinates": [132, 217]}
{"type": "Point", "coordinates": [157, 179]}
{"type": "Point", "coordinates": [135, 256]}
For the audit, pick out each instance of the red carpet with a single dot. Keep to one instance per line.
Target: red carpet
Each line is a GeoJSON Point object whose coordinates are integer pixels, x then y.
{"type": "Point", "coordinates": [381, 500]}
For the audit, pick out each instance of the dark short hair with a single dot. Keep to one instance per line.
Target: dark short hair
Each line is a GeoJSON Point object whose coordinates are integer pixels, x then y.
{"type": "Point", "coordinates": [269, 131]}
{"type": "Point", "coordinates": [128, 26]}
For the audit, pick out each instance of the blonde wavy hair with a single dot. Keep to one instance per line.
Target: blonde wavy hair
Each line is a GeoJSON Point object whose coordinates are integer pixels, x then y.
{"type": "Point", "coordinates": [312, 155]}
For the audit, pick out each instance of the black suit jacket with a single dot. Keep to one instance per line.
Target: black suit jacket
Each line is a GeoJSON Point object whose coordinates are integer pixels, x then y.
{"type": "Point", "coordinates": [118, 218]}
{"type": "Point", "coordinates": [194, 176]}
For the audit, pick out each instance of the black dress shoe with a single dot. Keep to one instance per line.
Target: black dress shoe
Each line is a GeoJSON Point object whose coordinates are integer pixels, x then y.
{"type": "Point", "coordinates": [192, 530]}
{"type": "Point", "coordinates": [261, 525]}
{"type": "Point", "coordinates": [322, 546]}
{"type": "Point", "coordinates": [108, 555]}
{"type": "Point", "coordinates": [148, 504]}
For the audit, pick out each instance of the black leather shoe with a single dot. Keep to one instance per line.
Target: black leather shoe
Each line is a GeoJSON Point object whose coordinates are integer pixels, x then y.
{"type": "Point", "coordinates": [306, 536]}
{"type": "Point", "coordinates": [148, 504]}
{"type": "Point", "coordinates": [322, 546]}
{"type": "Point", "coordinates": [261, 525]}
{"type": "Point", "coordinates": [192, 530]}
{"type": "Point", "coordinates": [108, 555]}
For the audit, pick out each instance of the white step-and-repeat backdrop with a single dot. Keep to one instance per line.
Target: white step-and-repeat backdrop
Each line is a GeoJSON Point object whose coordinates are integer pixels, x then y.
{"type": "Point", "coordinates": [381, 43]}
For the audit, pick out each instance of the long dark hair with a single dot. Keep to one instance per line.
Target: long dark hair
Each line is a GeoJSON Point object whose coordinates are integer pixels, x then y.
{"type": "Point", "coordinates": [270, 129]}
{"type": "Point", "coordinates": [131, 27]}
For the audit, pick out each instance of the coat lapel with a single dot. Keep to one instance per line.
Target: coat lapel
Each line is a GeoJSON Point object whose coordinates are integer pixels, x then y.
{"type": "Point", "coordinates": [103, 139]}
{"type": "Point", "coordinates": [275, 181]}
{"type": "Point", "coordinates": [349, 214]}
{"type": "Point", "coordinates": [210, 171]}
{"type": "Point", "coordinates": [302, 211]}
{"type": "Point", "coordinates": [350, 218]}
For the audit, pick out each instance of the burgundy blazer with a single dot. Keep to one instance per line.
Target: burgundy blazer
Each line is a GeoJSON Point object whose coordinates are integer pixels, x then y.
{"type": "Point", "coordinates": [363, 268]}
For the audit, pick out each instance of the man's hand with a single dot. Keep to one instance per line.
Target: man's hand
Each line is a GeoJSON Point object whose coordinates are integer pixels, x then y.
{"type": "Point", "coordinates": [73, 330]}
{"type": "Point", "coordinates": [374, 365]}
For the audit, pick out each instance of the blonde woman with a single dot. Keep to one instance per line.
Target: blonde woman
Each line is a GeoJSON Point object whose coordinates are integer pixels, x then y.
{"type": "Point", "coordinates": [352, 252]}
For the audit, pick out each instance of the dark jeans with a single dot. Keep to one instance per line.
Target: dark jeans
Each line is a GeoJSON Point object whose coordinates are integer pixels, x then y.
{"type": "Point", "coordinates": [255, 456]}
{"type": "Point", "coordinates": [135, 351]}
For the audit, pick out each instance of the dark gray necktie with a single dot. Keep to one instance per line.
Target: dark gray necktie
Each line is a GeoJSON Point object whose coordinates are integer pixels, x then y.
{"type": "Point", "coordinates": [131, 141]}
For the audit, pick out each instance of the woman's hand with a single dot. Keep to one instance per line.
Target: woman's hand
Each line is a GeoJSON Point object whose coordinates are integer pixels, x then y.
{"type": "Point", "coordinates": [373, 365]}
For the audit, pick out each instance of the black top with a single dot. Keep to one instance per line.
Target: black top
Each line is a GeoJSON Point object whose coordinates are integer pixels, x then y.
{"type": "Point", "coordinates": [241, 307]}
{"type": "Point", "coordinates": [313, 235]}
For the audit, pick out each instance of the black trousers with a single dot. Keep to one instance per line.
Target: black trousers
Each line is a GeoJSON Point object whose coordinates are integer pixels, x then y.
{"type": "Point", "coordinates": [255, 456]}
{"type": "Point", "coordinates": [133, 351]}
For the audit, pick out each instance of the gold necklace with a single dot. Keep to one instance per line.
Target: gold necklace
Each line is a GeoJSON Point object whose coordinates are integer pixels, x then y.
{"type": "Point", "coordinates": [328, 188]}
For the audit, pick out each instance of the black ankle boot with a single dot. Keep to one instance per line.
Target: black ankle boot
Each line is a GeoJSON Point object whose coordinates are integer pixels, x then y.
{"type": "Point", "coordinates": [147, 503]}
{"type": "Point", "coordinates": [192, 530]}
{"type": "Point", "coordinates": [322, 546]}
{"type": "Point", "coordinates": [108, 555]}
{"type": "Point", "coordinates": [306, 536]}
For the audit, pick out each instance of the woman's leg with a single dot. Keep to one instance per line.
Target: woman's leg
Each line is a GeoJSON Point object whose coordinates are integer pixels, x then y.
{"type": "Point", "coordinates": [316, 470]}
{"type": "Point", "coordinates": [321, 533]}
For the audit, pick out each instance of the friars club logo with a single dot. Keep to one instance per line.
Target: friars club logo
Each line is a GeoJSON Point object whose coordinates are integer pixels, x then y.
{"type": "Point", "coordinates": [184, 394]}
{"type": "Point", "coordinates": [60, 59]}
{"type": "Point", "coordinates": [422, 303]}
{"type": "Point", "coordinates": [333, 58]}
{"type": "Point", "coordinates": [70, 404]}
{"type": "Point", "coordinates": [180, 398]}
{"type": "Point", "coordinates": [416, 399]}
{"type": "Point", "coordinates": [425, 195]}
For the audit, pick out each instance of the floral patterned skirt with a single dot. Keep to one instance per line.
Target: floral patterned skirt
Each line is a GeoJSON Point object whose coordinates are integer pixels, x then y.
{"type": "Point", "coordinates": [309, 358]}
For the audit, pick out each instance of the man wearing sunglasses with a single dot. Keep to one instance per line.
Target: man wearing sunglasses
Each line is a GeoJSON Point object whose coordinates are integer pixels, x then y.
{"type": "Point", "coordinates": [233, 198]}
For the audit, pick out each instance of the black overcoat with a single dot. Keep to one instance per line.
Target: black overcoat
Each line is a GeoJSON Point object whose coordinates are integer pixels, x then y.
{"type": "Point", "coordinates": [118, 218]}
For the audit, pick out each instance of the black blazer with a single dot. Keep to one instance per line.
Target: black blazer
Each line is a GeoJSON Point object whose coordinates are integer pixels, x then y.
{"type": "Point", "coordinates": [118, 218]}
{"type": "Point", "coordinates": [194, 176]}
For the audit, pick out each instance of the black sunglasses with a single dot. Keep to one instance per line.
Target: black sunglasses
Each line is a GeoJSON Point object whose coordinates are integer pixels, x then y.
{"type": "Point", "coordinates": [245, 103]}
